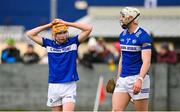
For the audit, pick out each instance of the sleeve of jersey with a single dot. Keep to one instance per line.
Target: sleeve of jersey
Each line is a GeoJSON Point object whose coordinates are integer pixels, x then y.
{"type": "Point", "coordinates": [146, 42]}
{"type": "Point", "coordinates": [46, 42]}
{"type": "Point", "coordinates": [75, 39]}
{"type": "Point", "coordinates": [120, 37]}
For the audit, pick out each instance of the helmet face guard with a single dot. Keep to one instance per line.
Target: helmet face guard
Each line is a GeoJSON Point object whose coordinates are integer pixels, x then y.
{"type": "Point", "coordinates": [60, 32]}
{"type": "Point", "coordinates": [125, 15]}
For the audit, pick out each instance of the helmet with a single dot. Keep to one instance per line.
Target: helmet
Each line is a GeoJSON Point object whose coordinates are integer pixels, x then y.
{"type": "Point", "coordinates": [10, 41]}
{"type": "Point", "coordinates": [125, 13]}
{"type": "Point", "coordinates": [59, 28]}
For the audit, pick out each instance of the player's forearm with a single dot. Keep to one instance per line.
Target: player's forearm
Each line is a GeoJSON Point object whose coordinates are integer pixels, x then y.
{"type": "Point", "coordinates": [119, 67]}
{"type": "Point", "coordinates": [35, 31]}
{"type": "Point", "coordinates": [144, 68]}
{"type": "Point", "coordinates": [81, 26]}
{"type": "Point", "coordinates": [146, 59]}
{"type": "Point", "coordinates": [85, 30]}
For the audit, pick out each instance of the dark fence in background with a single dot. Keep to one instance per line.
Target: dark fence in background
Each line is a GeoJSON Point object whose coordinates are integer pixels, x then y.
{"type": "Point", "coordinates": [24, 87]}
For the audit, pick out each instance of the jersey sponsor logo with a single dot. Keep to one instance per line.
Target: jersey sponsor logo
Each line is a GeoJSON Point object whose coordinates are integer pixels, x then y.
{"type": "Point", "coordinates": [130, 48]}
{"type": "Point", "coordinates": [62, 50]}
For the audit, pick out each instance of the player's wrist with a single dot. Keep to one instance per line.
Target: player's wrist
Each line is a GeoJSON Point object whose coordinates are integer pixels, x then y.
{"type": "Point", "coordinates": [49, 25]}
{"type": "Point", "coordinates": [140, 78]}
{"type": "Point", "coordinates": [69, 23]}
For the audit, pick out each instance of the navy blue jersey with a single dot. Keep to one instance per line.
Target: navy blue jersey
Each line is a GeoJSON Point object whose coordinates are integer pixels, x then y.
{"type": "Point", "coordinates": [62, 60]}
{"type": "Point", "coordinates": [131, 46]}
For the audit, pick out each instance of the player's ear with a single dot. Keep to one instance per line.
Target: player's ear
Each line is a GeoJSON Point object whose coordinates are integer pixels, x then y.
{"type": "Point", "coordinates": [130, 18]}
{"type": "Point", "coordinates": [67, 34]}
{"type": "Point", "coordinates": [53, 35]}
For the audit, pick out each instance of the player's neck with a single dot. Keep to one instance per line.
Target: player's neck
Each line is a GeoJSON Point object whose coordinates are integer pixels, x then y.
{"type": "Point", "coordinates": [132, 28]}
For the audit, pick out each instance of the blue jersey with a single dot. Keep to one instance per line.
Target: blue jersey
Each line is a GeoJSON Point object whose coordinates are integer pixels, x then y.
{"type": "Point", "coordinates": [131, 46]}
{"type": "Point", "coordinates": [62, 60]}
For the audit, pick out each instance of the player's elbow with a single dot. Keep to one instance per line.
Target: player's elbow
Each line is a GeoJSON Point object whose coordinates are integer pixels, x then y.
{"type": "Point", "coordinates": [147, 62]}
{"type": "Point", "coordinates": [29, 34]}
{"type": "Point", "coordinates": [89, 29]}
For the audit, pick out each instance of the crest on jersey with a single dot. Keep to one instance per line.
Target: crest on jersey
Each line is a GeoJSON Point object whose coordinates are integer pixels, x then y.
{"type": "Point", "coordinates": [121, 40]}
{"type": "Point", "coordinates": [134, 41]}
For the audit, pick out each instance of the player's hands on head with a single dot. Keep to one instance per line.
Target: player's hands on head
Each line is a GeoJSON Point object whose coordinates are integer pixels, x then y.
{"type": "Point", "coordinates": [63, 22]}
{"type": "Point", "coordinates": [58, 21]}
{"type": "Point", "coordinates": [54, 22]}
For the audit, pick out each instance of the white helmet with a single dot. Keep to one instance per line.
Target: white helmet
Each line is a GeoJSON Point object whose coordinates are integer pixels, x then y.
{"type": "Point", "coordinates": [92, 43]}
{"type": "Point", "coordinates": [126, 12]}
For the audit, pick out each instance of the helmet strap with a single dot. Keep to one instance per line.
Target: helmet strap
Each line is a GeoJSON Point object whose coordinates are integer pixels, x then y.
{"type": "Point", "coordinates": [125, 26]}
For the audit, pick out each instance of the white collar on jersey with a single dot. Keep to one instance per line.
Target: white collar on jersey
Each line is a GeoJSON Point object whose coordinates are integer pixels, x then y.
{"type": "Point", "coordinates": [137, 28]}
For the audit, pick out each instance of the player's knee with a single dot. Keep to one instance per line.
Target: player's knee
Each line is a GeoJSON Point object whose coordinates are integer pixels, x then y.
{"type": "Point", "coordinates": [69, 106]}
{"type": "Point", "coordinates": [56, 108]}
{"type": "Point", "coordinates": [117, 110]}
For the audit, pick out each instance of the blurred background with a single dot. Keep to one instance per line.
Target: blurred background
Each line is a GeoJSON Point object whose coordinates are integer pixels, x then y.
{"type": "Point", "coordinates": [24, 69]}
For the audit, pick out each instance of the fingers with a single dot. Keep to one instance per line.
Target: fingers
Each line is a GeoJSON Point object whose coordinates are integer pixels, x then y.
{"type": "Point", "coordinates": [136, 89]}
{"type": "Point", "coordinates": [55, 21]}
